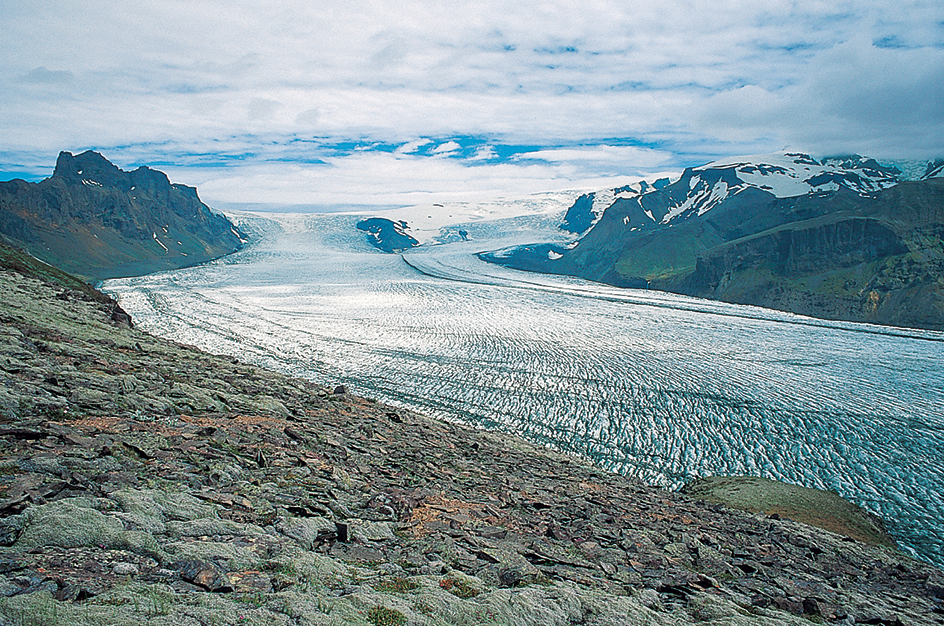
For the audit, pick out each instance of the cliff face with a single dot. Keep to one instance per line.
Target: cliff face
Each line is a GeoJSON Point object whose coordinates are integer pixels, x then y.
{"type": "Point", "coordinates": [878, 260]}
{"type": "Point", "coordinates": [97, 221]}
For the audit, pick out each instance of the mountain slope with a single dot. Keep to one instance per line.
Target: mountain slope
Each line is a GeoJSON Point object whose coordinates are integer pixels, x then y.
{"type": "Point", "coordinates": [837, 239]}
{"type": "Point", "coordinates": [879, 260]}
{"type": "Point", "coordinates": [97, 221]}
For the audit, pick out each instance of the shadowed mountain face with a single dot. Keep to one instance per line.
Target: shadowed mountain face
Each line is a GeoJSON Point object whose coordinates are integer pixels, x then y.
{"type": "Point", "coordinates": [97, 221]}
{"type": "Point", "coordinates": [876, 259]}
{"type": "Point", "coordinates": [835, 239]}
{"type": "Point", "coordinates": [387, 235]}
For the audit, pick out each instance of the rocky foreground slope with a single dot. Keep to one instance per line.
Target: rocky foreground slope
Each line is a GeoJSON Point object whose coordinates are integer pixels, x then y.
{"type": "Point", "coordinates": [142, 481]}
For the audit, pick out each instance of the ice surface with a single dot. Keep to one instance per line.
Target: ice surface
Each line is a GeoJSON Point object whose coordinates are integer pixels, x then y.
{"type": "Point", "coordinates": [427, 222]}
{"type": "Point", "coordinates": [650, 384]}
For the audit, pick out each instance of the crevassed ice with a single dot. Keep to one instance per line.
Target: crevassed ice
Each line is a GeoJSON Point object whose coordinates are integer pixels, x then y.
{"type": "Point", "coordinates": [649, 384]}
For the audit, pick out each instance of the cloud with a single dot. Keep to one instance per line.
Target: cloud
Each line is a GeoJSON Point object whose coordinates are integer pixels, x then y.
{"type": "Point", "coordinates": [450, 147]}
{"type": "Point", "coordinates": [484, 153]}
{"type": "Point", "coordinates": [856, 97]}
{"type": "Point", "coordinates": [263, 108]}
{"type": "Point", "coordinates": [241, 86]}
{"type": "Point", "coordinates": [43, 76]}
{"type": "Point", "coordinates": [385, 178]}
{"type": "Point", "coordinates": [603, 156]}
{"type": "Point", "coordinates": [412, 146]}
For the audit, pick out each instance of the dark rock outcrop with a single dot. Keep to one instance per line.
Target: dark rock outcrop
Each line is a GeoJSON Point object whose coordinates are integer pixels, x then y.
{"type": "Point", "coordinates": [579, 216]}
{"type": "Point", "coordinates": [97, 221]}
{"type": "Point", "coordinates": [388, 235]}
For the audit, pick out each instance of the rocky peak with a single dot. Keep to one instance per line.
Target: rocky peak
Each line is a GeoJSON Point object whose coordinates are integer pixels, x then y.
{"type": "Point", "coordinates": [151, 180]}
{"type": "Point", "coordinates": [91, 168]}
{"type": "Point", "coordinates": [98, 221]}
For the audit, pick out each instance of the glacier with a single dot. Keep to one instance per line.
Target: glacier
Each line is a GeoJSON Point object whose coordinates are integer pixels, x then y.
{"type": "Point", "coordinates": [653, 385]}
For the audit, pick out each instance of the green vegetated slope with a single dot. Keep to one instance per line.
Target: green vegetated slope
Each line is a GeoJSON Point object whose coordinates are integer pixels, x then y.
{"type": "Point", "coordinates": [97, 221]}
{"type": "Point", "coordinates": [876, 258]}
{"type": "Point", "coordinates": [25, 264]}
{"type": "Point", "coordinates": [816, 507]}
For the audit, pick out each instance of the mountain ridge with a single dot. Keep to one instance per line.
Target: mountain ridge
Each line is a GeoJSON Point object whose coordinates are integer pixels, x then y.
{"type": "Point", "coordinates": [97, 221]}
{"type": "Point", "coordinates": [684, 238]}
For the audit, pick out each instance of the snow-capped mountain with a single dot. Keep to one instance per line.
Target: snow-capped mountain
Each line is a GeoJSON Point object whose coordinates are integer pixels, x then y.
{"type": "Point", "coordinates": [588, 208]}
{"type": "Point", "coordinates": [701, 189]}
{"type": "Point", "coordinates": [827, 237]}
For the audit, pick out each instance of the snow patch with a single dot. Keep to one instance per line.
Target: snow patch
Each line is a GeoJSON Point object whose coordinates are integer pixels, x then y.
{"type": "Point", "coordinates": [718, 193]}
{"type": "Point", "coordinates": [554, 255]}
{"type": "Point", "coordinates": [796, 174]}
{"type": "Point", "coordinates": [601, 202]}
{"type": "Point", "coordinates": [159, 242]}
{"type": "Point", "coordinates": [235, 232]}
{"type": "Point", "coordinates": [702, 201]}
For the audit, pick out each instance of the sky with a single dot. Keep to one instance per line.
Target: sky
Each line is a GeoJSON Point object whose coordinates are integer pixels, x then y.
{"type": "Point", "coordinates": [329, 104]}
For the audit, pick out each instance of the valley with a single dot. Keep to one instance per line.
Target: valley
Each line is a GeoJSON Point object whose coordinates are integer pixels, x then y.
{"type": "Point", "coordinates": [653, 385]}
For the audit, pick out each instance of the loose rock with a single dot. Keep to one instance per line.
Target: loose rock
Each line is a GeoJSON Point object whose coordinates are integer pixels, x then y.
{"type": "Point", "coordinates": [191, 484]}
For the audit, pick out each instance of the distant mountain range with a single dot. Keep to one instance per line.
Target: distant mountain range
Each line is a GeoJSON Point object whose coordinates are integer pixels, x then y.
{"type": "Point", "coordinates": [96, 221]}
{"type": "Point", "coordinates": [838, 238]}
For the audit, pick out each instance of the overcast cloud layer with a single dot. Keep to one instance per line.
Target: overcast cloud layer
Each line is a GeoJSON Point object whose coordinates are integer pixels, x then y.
{"type": "Point", "coordinates": [328, 103]}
